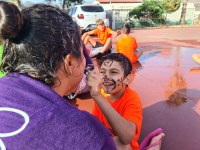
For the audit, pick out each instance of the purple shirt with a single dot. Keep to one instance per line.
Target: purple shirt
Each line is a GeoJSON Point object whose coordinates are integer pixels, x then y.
{"type": "Point", "coordinates": [34, 117]}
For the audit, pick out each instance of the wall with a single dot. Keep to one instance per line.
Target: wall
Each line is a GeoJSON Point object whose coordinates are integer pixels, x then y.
{"type": "Point", "coordinates": [190, 13]}
{"type": "Point", "coordinates": [118, 13]}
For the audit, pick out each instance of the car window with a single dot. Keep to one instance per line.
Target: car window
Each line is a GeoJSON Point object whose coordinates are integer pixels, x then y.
{"type": "Point", "coordinates": [70, 12]}
{"type": "Point", "coordinates": [74, 10]}
{"type": "Point", "coordinates": [92, 8]}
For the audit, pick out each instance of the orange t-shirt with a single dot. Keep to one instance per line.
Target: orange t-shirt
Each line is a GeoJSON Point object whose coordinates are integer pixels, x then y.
{"type": "Point", "coordinates": [103, 35]}
{"type": "Point", "coordinates": [127, 47]}
{"type": "Point", "coordinates": [129, 107]}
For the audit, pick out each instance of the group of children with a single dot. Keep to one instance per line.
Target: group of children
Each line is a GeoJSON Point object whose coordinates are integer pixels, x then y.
{"type": "Point", "coordinates": [117, 106]}
{"type": "Point", "coordinates": [126, 45]}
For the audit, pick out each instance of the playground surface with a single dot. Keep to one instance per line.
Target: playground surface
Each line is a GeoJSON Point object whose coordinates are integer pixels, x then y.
{"type": "Point", "coordinates": [168, 82]}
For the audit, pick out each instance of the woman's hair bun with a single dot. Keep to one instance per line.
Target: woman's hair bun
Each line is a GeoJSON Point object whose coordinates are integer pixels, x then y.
{"type": "Point", "coordinates": [11, 20]}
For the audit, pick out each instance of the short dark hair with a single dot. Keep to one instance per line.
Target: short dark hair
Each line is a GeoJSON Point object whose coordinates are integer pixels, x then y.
{"type": "Point", "coordinates": [37, 39]}
{"type": "Point", "coordinates": [123, 61]}
{"type": "Point", "coordinates": [126, 28]}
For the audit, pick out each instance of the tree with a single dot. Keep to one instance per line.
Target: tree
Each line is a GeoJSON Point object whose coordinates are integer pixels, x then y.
{"type": "Point", "coordinates": [172, 5]}
{"type": "Point", "coordinates": [183, 12]}
{"type": "Point", "coordinates": [149, 10]}
{"type": "Point", "coordinates": [66, 3]}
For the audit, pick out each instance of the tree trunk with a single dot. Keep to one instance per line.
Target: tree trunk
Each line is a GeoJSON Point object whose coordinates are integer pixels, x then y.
{"type": "Point", "coordinates": [64, 4]}
{"type": "Point", "coordinates": [183, 12]}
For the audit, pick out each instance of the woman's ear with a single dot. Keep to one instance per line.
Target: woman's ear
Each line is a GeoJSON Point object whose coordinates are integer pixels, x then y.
{"type": "Point", "coordinates": [68, 62]}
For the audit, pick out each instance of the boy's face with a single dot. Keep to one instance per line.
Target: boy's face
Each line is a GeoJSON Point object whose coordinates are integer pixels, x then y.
{"type": "Point", "coordinates": [101, 27]}
{"type": "Point", "coordinates": [113, 79]}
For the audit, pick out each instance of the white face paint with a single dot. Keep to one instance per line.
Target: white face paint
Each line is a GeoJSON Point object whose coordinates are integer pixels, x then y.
{"type": "Point", "coordinates": [26, 121]}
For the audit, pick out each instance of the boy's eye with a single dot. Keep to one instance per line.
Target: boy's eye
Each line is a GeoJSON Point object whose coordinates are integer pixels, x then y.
{"type": "Point", "coordinates": [113, 72]}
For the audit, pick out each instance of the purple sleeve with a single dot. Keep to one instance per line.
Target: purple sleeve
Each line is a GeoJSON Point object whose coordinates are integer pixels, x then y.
{"type": "Point", "coordinates": [87, 57]}
{"type": "Point", "coordinates": [109, 144]}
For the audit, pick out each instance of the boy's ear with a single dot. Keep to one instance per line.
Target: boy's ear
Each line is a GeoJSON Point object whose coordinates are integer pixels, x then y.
{"type": "Point", "coordinates": [129, 78]}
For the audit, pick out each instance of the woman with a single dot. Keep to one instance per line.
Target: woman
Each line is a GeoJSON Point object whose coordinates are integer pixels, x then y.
{"type": "Point", "coordinates": [43, 61]}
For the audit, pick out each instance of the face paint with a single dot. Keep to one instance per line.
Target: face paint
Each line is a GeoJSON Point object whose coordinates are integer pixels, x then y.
{"type": "Point", "coordinates": [120, 82]}
{"type": "Point", "coordinates": [113, 77]}
{"type": "Point", "coordinates": [115, 83]}
{"type": "Point", "coordinates": [108, 63]}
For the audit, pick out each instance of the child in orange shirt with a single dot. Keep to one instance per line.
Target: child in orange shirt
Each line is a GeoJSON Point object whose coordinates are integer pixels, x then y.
{"type": "Point", "coordinates": [119, 109]}
{"type": "Point", "coordinates": [104, 35]}
{"type": "Point", "coordinates": [127, 45]}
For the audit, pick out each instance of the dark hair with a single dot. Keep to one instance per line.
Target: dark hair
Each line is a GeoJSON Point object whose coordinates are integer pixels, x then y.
{"type": "Point", "coordinates": [126, 28]}
{"type": "Point", "coordinates": [123, 61]}
{"type": "Point", "coordinates": [37, 39]}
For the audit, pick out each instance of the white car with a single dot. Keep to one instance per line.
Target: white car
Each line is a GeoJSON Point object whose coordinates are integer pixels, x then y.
{"type": "Point", "coordinates": [86, 15]}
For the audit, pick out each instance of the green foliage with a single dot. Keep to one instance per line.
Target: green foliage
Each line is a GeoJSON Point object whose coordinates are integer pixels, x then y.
{"type": "Point", "coordinates": [172, 5]}
{"type": "Point", "coordinates": [149, 10]}
{"type": "Point", "coordinates": [143, 24]}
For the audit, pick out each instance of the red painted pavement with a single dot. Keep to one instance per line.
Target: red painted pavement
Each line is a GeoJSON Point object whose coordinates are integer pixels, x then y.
{"type": "Point", "coordinates": [168, 82]}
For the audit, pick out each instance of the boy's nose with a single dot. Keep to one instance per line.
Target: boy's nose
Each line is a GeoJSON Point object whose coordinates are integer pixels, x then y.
{"type": "Point", "coordinates": [106, 75]}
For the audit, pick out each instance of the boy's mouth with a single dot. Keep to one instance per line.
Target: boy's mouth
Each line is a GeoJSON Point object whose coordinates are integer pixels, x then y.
{"type": "Point", "coordinates": [108, 83]}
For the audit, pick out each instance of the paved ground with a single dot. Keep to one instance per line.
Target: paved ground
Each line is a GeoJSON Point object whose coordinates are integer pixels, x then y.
{"type": "Point", "coordinates": [168, 82]}
{"type": "Point", "coordinates": [183, 36]}
{"type": "Point", "coordinates": [169, 85]}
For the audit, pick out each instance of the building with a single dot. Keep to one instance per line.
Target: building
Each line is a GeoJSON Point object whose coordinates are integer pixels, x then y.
{"type": "Point", "coordinates": [118, 10]}
{"type": "Point", "coordinates": [119, 4]}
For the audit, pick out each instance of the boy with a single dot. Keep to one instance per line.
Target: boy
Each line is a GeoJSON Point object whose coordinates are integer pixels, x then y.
{"type": "Point", "coordinates": [127, 45]}
{"type": "Point", "coordinates": [104, 35]}
{"type": "Point", "coordinates": [120, 110]}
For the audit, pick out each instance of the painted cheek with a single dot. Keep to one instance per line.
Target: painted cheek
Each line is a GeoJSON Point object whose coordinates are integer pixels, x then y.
{"type": "Point", "coordinates": [119, 82]}
{"type": "Point", "coordinates": [107, 78]}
